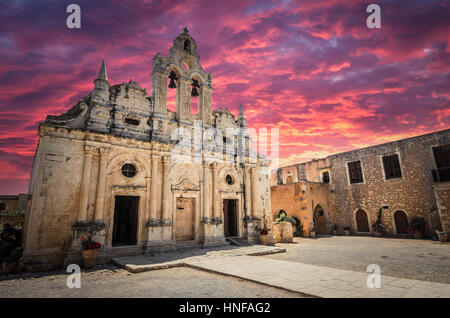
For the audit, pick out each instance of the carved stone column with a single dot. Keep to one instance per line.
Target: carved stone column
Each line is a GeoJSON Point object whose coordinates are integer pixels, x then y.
{"type": "Point", "coordinates": [85, 179]}
{"type": "Point", "coordinates": [147, 197]}
{"type": "Point", "coordinates": [154, 191]}
{"type": "Point", "coordinates": [100, 200]}
{"type": "Point", "coordinates": [248, 192]}
{"type": "Point", "coordinates": [254, 176]}
{"type": "Point", "coordinates": [206, 194]}
{"type": "Point", "coordinates": [166, 190]}
{"type": "Point", "coordinates": [214, 195]}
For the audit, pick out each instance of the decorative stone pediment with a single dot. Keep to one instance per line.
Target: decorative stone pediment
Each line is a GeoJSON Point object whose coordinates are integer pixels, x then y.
{"type": "Point", "coordinates": [185, 184]}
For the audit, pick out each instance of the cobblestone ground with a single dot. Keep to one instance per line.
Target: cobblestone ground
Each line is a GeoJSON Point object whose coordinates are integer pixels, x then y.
{"type": "Point", "coordinates": [110, 281]}
{"type": "Point", "coordinates": [405, 258]}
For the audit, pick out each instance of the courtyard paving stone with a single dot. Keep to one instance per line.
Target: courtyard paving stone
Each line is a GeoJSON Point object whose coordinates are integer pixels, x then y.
{"type": "Point", "coordinates": [324, 281]}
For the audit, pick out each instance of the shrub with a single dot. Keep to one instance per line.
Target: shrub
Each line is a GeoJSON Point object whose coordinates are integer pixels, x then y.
{"type": "Point", "coordinates": [418, 224]}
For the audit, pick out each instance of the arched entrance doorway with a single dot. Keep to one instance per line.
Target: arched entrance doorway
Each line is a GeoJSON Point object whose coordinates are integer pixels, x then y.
{"type": "Point", "coordinates": [401, 222]}
{"type": "Point", "coordinates": [320, 220]}
{"type": "Point", "coordinates": [362, 222]}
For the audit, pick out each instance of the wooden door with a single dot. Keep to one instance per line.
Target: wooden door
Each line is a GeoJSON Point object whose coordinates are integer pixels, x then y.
{"type": "Point", "coordinates": [320, 220]}
{"type": "Point", "coordinates": [401, 222]}
{"type": "Point", "coordinates": [362, 222]}
{"type": "Point", "coordinates": [184, 222]}
{"type": "Point", "coordinates": [229, 218]}
{"type": "Point", "coordinates": [125, 220]}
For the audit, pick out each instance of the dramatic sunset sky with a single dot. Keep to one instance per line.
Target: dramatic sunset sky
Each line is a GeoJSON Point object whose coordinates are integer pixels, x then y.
{"type": "Point", "coordinates": [311, 68]}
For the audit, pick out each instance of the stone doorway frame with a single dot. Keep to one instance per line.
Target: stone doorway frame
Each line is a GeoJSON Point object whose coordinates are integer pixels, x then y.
{"type": "Point", "coordinates": [194, 194]}
{"type": "Point", "coordinates": [132, 191]}
{"type": "Point", "coordinates": [239, 210]}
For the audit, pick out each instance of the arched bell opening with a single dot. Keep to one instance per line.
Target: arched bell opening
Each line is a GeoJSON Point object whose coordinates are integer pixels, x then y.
{"type": "Point", "coordinates": [173, 84]}
{"type": "Point", "coordinates": [196, 94]}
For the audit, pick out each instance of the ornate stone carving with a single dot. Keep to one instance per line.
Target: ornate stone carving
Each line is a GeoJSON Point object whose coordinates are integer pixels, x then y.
{"type": "Point", "coordinates": [185, 184]}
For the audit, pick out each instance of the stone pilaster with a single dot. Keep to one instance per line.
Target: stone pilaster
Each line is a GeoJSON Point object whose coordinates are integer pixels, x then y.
{"type": "Point", "coordinates": [254, 209]}
{"type": "Point", "coordinates": [215, 196]}
{"type": "Point", "coordinates": [85, 179]}
{"type": "Point", "coordinates": [159, 92]}
{"type": "Point", "coordinates": [100, 200]}
{"type": "Point", "coordinates": [248, 193]}
{"type": "Point", "coordinates": [153, 191]}
{"type": "Point", "coordinates": [205, 104]}
{"type": "Point", "coordinates": [183, 102]}
{"type": "Point", "coordinates": [166, 191]}
{"type": "Point", "coordinates": [206, 194]}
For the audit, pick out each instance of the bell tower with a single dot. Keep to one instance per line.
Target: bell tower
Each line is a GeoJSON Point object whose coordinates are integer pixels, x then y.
{"type": "Point", "coordinates": [187, 76]}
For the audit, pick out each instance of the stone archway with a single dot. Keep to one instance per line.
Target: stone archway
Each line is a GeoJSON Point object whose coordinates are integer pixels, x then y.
{"type": "Point", "coordinates": [401, 222]}
{"type": "Point", "coordinates": [362, 222]}
{"type": "Point", "coordinates": [320, 220]}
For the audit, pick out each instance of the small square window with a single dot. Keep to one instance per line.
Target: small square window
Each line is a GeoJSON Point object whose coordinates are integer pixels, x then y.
{"type": "Point", "coordinates": [355, 172]}
{"type": "Point", "coordinates": [392, 167]}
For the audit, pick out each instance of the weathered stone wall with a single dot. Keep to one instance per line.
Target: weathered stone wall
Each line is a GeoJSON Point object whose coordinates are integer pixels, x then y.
{"type": "Point", "coordinates": [442, 193]}
{"type": "Point", "coordinates": [300, 199]}
{"type": "Point", "coordinates": [412, 193]}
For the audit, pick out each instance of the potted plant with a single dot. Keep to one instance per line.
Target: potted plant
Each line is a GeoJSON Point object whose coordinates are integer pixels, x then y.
{"type": "Point", "coordinates": [377, 226]}
{"type": "Point", "coordinates": [90, 250]}
{"type": "Point", "coordinates": [263, 236]}
{"type": "Point", "coordinates": [335, 227]}
{"type": "Point", "coordinates": [410, 231]}
{"type": "Point", "coordinates": [299, 231]}
{"type": "Point", "coordinates": [312, 232]}
{"type": "Point", "coordinates": [347, 229]}
{"type": "Point", "coordinates": [418, 224]}
{"type": "Point", "coordinates": [442, 236]}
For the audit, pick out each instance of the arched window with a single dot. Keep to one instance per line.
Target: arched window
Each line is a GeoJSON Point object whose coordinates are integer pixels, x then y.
{"type": "Point", "coordinates": [401, 222]}
{"type": "Point", "coordinates": [173, 83]}
{"type": "Point", "coordinates": [195, 94]}
{"type": "Point", "coordinates": [362, 222]}
{"type": "Point", "coordinates": [187, 46]}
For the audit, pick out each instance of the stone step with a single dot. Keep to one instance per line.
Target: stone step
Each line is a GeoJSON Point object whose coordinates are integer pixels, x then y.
{"type": "Point", "coordinates": [123, 251]}
{"type": "Point", "coordinates": [237, 241]}
{"type": "Point", "coordinates": [188, 245]}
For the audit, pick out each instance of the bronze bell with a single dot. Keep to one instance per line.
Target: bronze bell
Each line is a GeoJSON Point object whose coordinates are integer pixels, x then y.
{"type": "Point", "coordinates": [173, 78]}
{"type": "Point", "coordinates": [194, 92]}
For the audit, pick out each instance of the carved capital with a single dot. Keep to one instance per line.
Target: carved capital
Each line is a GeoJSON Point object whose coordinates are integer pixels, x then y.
{"type": "Point", "coordinates": [103, 151]}
{"type": "Point", "coordinates": [155, 157]}
{"type": "Point", "coordinates": [89, 150]}
{"type": "Point", "coordinates": [166, 160]}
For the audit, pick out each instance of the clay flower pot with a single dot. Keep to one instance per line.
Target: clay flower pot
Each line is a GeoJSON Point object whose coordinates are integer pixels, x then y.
{"type": "Point", "coordinates": [312, 234]}
{"type": "Point", "coordinates": [443, 237]}
{"type": "Point", "coordinates": [263, 239]}
{"type": "Point", "coordinates": [8, 266]}
{"type": "Point", "coordinates": [90, 257]}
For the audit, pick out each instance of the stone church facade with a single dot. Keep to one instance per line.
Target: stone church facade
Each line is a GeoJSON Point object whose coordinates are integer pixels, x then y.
{"type": "Point", "coordinates": [403, 179]}
{"type": "Point", "coordinates": [118, 164]}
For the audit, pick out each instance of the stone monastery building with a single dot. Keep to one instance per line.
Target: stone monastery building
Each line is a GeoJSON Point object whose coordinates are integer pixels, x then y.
{"type": "Point", "coordinates": [401, 179]}
{"type": "Point", "coordinates": [107, 166]}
